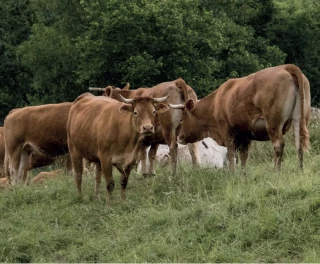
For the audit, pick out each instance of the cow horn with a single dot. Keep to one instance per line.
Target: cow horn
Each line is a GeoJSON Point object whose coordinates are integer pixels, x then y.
{"type": "Point", "coordinates": [161, 99]}
{"type": "Point", "coordinates": [177, 106]}
{"type": "Point", "coordinates": [96, 89]}
{"type": "Point", "coordinates": [125, 100]}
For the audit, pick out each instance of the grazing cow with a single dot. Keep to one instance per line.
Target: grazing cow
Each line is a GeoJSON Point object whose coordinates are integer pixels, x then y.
{"type": "Point", "coordinates": [167, 123]}
{"type": "Point", "coordinates": [46, 175]}
{"type": "Point", "coordinates": [2, 174]}
{"type": "Point", "coordinates": [109, 133]}
{"type": "Point", "coordinates": [261, 106]}
{"type": "Point", "coordinates": [34, 135]}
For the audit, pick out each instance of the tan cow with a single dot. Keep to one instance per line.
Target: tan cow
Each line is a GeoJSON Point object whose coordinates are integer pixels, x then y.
{"type": "Point", "coordinates": [109, 133]}
{"type": "Point", "coordinates": [2, 174]}
{"type": "Point", "coordinates": [261, 106]}
{"type": "Point", "coordinates": [34, 135]}
{"type": "Point", "coordinates": [168, 122]}
{"type": "Point", "coordinates": [4, 183]}
{"type": "Point", "coordinates": [46, 175]}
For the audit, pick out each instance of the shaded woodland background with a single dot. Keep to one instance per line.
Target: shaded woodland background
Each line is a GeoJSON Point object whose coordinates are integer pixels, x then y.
{"type": "Point", "coordinates": [51, 51]}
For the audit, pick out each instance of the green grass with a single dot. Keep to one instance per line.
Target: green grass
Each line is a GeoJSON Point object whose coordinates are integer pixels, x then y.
{"type": "Point", "coordinates": [201, 215]}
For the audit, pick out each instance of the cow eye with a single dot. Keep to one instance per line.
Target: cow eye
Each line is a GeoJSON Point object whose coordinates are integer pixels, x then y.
{"type": "Point", "coordinates": [154, 112]}
{"type": "Point", "coordinates": [135, 113]}
{"type": "Point", "coordinates": [181, 121]}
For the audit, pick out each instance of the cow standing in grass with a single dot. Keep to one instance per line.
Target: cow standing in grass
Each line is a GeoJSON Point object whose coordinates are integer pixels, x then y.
{"type": "Point", "coordinates": [109, 133]}
{"type": "Point", "coordinates": [261, 106]}
{"type": "Point", "coordinates": [167, 123]}
{"type": "Point", "coordinates": [34, 135]}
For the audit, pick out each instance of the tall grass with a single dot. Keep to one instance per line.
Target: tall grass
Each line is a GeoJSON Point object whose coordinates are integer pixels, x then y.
{"type": "Point", "coordinates": [200, 215]}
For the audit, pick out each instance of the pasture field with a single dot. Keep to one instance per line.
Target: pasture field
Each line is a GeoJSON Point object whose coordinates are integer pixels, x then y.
{"type": "Point", "coordinates": [200, 215]}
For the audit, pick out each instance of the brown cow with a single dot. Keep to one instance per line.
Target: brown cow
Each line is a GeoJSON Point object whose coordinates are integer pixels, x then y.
{"type": "Point", "coordinates": [34, 135]}
{"type": "Point", "coordinates": [46, 175]}
{"type": "Point", "coordinates": [4, 183]}
{"type": "Point", "coordinates": [168, 122]}
{"type": "Point", "coordinates": [2, 174]}
{"type": "Point", "coordinates": [261, 106]}
{"type": "Point", "coordinates": [109, 133]}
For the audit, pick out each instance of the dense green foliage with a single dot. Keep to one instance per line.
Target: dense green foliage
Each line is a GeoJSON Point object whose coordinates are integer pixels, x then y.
{"type": "Point", "coordinates": [203, 215]}
{"type": "Point", "coordinates": [50, 51]}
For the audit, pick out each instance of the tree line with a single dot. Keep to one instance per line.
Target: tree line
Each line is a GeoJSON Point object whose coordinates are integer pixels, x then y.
{"type": "Point", "coordinates": [52, 51]}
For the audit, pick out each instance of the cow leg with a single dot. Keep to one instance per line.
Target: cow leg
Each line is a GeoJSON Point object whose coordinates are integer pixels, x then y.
{"type": "Point", "coordinates": [296, 133]}
{"type": "Point", "coordinates": [193, 148]}
{"type": "Point", "coordinates": [77, 171]}
{"type": "Point", "coordinates": [23, 166]}
{"type": "Point", "coordinates": [6, 166]}
{"type": "Point", "coordinates": [13, 163]}
{"type": "Point", "coordinates": [244, 152]}
{"type": "Point", "coordinates": [278, 150]}
{"type": "Point", "coordinates": [97, 182]}
{"type": "Point", "coordinates": [13, 171]}
{"type": "Point", "coordinates": [152, 159]}
{"type": "Point", "coordinates": [143, 159]}
{"type": "Point", "coordinates": [106, 168]}
{"type": "Point", "coordinates": [276, 138]}
{"type": "Point", "coordinates": [174, 156]}
{"type": "Point", "coordinates": [231, 153]}
{"type": "Point", "coordinates": [67, 163]}
{"type": "Point", "coordinates": [171, 140]}
{"type": "Point", "coordinates": [124, 181]}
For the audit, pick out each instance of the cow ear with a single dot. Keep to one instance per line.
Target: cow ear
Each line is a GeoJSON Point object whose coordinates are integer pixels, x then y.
{"type": "Point", "coordinates": [161, 108]}
{"type": "Point", "coordinates": [108, 91]}
{"type": "Point", "coordinates": [127, 109]}
{"type": "Point", "coordinates": [190, 105]}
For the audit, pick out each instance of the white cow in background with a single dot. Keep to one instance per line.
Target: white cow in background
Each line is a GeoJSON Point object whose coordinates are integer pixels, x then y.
{"type": "Point", "coordinates": [210, 153]}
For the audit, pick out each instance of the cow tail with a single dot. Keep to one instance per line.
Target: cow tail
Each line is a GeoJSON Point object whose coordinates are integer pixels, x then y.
{"type": "Point", "coordinates": [183, 87]}
{"type": "Point", "coordinates": [304, 134]}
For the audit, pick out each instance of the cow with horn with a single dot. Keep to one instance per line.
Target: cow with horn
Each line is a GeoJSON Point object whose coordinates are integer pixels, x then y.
{"type": "Point", "coordinates": [261, 106]}
{"type": "Point", "coordinates": [110, 133]}
{"type": "Point", "coordinates": [167, 123]}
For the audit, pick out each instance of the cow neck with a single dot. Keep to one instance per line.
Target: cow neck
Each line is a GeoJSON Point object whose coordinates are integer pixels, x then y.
{"type": "Point", "coordinates": [203, 110]}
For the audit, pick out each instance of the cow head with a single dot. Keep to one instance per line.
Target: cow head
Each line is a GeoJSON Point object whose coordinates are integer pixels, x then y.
{"type": "Point", "coordinates": [189, 122]}
{"type": "Point", "coordinates": [144, 110]}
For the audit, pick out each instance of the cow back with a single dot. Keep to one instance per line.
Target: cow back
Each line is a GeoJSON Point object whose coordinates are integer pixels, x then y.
{"type": "Point", "coordinates": [43, 126]}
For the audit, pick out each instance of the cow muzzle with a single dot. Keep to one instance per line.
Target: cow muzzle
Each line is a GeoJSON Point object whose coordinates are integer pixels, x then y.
{"type": "Point", "coordinates": [147, 129]}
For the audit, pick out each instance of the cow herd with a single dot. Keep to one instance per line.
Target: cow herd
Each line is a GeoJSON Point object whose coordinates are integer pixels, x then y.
{"type": "Point", "coordinates": [123, 127]}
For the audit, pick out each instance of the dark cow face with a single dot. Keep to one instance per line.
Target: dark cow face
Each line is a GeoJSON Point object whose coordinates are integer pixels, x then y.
{"type": "Point", "coordinates": [144, 111]}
